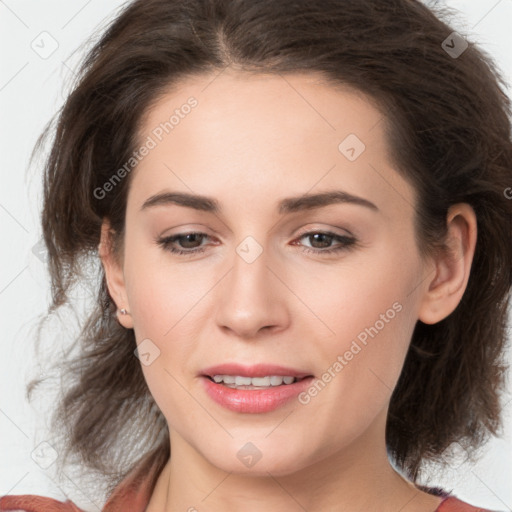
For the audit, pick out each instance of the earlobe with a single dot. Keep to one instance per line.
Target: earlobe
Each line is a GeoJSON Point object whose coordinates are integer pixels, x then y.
{"type": "Point", "coordinates": [446, 285]}
{"type": "Point", "coordinates": [114, 275]}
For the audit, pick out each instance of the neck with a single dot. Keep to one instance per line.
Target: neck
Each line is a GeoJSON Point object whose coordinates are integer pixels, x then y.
{"type": "Point", "coordinates": [357, 478]}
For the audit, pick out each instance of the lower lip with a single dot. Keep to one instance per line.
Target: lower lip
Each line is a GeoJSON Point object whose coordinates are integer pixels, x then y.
{"type": "Point", "coordinates": [257, 400]}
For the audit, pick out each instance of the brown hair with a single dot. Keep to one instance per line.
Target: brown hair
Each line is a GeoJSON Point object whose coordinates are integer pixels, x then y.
{"type": "Point", "coordinates": [448, 124]}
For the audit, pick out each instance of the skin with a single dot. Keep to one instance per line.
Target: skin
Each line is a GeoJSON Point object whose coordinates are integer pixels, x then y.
{"type": "Point", "coordinates": [251, 141]}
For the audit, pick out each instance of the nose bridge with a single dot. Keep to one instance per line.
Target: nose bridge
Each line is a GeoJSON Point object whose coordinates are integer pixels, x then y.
{"type": "Point", "coordinates": [249, 280]}
{"type": "Point", "coordinates": [249, 297]}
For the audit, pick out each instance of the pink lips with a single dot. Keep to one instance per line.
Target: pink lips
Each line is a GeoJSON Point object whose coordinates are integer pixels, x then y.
{"type": "Point", "coordinates": [258, 400]}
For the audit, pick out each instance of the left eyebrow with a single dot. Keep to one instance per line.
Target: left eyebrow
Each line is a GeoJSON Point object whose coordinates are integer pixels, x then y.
{"type": "Point", "coordinates": [287, 205]}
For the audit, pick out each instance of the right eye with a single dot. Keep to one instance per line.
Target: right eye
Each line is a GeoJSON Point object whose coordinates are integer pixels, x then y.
{"type": "Point", "coordinates": [189, 238]}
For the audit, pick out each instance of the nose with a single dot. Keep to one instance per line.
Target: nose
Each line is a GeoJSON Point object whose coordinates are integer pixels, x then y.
{"type": "Point", "coordinates": [252, 298]}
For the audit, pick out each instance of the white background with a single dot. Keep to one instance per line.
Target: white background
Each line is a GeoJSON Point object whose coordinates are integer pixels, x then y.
{"type": "Point", "coordinates": [32, 88]}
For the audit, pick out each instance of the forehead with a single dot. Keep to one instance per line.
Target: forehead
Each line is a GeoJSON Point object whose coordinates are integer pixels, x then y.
{"type": "Point", "coordinates": [269, 106]}
{"type": "Point", "coordinates": [273, 132]}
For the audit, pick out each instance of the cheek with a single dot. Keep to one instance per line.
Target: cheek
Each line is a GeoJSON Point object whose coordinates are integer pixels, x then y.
{"type": "Point", "coordinates": [359, 366]}
{"type": "Point", "coordinates": [169, 303]}
{"type": "Point", "coordinates": [370, 344]}
{"type": "Point", "coordinates": [366, 297]}
{"type": "Point", "coordinates": [164, 305]}
{"type": "Point", "coordinates": [162, 293]}
{"type": "Point", "coordinates": [371, 314]}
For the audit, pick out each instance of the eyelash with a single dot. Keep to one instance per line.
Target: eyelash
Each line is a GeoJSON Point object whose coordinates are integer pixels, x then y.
{"type": "Point", "coordinates": [347, 243]}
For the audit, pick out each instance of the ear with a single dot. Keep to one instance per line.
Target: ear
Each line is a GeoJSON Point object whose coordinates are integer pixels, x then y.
{"type": "Point", "coordinates": [114, 274]}
{"type": "Point", "coordinates": [444, 291]}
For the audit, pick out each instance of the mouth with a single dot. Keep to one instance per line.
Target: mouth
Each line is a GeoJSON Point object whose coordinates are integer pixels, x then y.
{"type": "Point", "coordinates": [249, 394]}
{"type": "Point", "coordinates": [260, 376]}
{"type": "Point", "coordinates": [241, 382]}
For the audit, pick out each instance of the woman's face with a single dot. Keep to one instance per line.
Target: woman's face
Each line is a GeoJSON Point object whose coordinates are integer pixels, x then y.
{"type": "Point", "coordinates": [324, 288]}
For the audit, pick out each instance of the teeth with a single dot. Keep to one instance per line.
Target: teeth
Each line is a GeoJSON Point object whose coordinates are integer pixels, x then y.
{"type": "Point", "coordinates": [242, 381]}
{"type": "Point", "coordinates": [236, 380]}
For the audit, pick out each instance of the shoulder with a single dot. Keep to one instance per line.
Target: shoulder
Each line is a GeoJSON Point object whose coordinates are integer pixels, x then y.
{"type": "Point", "coordinates": [132, 494]}
{"type": "Point", "coordinates": [449, 502]}
{"type": "Point", "coordinates": [452, 504]}
{"type": "Point", "coordinates": [32, 503]}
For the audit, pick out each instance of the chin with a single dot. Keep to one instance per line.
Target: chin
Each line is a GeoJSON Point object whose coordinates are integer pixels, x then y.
{"type": "Point", "coordinates": [259, 457]}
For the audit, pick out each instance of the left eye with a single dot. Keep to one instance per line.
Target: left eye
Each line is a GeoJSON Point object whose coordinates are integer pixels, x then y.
{"type": "Point", "coordinates": [326, 237]}
{"type": "Point", "coordinates": [189, 240]}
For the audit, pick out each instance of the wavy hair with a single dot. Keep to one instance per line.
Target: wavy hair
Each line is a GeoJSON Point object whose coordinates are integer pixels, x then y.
{"type": "Point", "coordinates": [448, 126]}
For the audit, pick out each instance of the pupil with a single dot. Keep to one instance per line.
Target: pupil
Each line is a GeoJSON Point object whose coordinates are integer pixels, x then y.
{"type": "Point", "coordinates": [187, 239]}
{"type": "Point", "coordinates": [326, 242]}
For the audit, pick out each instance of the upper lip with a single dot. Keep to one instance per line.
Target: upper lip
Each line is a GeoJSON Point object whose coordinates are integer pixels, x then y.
{"type": "Point", "coordinates": [258, 370]}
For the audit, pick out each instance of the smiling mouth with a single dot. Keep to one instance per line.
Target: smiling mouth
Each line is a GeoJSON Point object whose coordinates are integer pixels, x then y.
{"type": "Point", "coordinates": [261, 392]}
